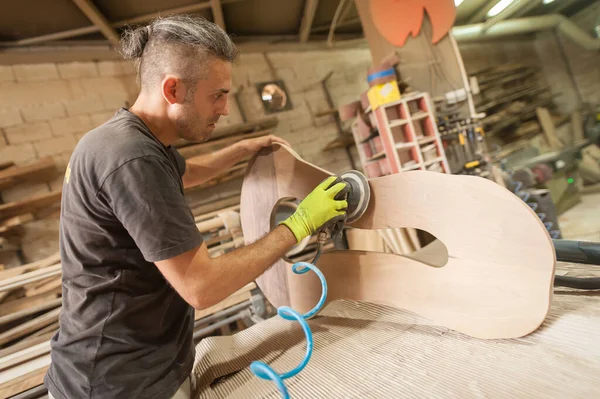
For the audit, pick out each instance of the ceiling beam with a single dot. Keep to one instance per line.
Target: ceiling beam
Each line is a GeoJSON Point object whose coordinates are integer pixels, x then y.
{"type": "Point", "coordinates": [93, 28]}
{"type": "Point", "coordinates": [324, 28]}
{"type": "Point", "coordinates": [217, 11]}
{"type": "Point", "coordinates": [103, 51]}
{"type": "Point", "coordinates": [310, 8]}
{"type": "Point", "coordinates": [94, 15]}
{"type": "Point", "coordinates": [339, 12]}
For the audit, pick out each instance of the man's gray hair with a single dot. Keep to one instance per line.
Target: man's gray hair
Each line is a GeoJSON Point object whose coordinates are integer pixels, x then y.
{"type": "Point", "coordinates": [176, 44]}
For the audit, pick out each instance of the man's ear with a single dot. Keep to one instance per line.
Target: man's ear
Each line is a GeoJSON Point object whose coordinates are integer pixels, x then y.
{"type": "Point", "coordinates": [173, 90]}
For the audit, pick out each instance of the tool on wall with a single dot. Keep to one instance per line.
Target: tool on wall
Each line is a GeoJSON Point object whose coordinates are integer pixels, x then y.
{"type": "Point", "coordinates": [464, 142]}
{"type": "Point", "coordinates": [358, 194]}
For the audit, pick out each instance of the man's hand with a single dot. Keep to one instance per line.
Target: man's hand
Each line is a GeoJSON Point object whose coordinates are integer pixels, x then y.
{"type": "Point", "coordinates": [258, 143]}
{"type": "Point", "coordinates": [318, 208]}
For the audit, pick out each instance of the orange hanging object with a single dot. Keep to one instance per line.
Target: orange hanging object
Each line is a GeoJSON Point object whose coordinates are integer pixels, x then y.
{"type": "Point", "coordinates": [397, 19]}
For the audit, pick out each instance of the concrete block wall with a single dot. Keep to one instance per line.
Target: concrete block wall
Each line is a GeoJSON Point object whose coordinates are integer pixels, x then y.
{"type": "Point", "coordinates": [302, 73]}
{"type": "Point", "coordinates": [46, 108]}
{"type": "Point", "coordinates": [44, 111]}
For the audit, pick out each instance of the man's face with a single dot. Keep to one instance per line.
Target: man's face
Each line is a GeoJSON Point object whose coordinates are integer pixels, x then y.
{"type": "Point", "coordinates": [202, 110]}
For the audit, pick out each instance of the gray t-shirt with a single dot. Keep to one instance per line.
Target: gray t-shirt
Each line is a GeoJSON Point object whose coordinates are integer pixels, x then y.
{"type": "Point", "coordinates": [124, 331]}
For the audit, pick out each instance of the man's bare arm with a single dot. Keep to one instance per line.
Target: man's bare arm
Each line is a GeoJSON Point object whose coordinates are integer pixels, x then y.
{"type": "Point", "coordinates": [203, 281]}
{"type": "Point", "coordinates": [202, 168]}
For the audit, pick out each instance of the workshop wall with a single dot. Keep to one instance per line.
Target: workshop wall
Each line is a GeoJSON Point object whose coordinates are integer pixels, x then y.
{"type": "Point", "coordinates": [46, 108]}
{"type": "Point", "coordinates": [585, 65]}
{"type": "Point", "coordinates": [571, 71]}
{"type": "Point", "coordinates": [302, 73]}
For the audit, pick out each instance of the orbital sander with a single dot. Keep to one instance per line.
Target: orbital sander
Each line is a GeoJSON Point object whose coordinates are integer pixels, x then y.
{"type": "Point", "coordinates": [358, 194]}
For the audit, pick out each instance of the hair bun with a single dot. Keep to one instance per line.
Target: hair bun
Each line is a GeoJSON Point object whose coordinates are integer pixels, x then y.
{"type": "Point", "coordinates": [134, 41]}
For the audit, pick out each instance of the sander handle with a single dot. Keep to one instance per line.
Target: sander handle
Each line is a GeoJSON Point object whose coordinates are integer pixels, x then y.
{"type": "Point", "coordinates": [335, 226]}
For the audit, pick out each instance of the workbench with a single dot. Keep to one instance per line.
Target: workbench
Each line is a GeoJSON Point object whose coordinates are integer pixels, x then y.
{"type": "Point", "coordinates": [370, 351]}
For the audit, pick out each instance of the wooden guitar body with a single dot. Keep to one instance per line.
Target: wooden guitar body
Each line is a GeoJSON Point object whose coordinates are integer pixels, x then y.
{"type": "Point", "coordinates": [498, 278]}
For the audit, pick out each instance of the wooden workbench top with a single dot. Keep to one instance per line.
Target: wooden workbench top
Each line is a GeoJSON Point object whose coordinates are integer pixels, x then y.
{"type": "Point", "coordinates": [370, 351]}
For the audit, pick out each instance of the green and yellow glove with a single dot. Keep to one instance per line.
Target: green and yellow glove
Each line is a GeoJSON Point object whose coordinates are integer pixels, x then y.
{"type": "Point", "coordinates": [318, 208]}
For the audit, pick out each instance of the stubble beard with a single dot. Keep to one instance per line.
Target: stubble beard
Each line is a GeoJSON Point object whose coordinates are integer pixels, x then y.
{"type": "Point", "coordinates": [192, 127]}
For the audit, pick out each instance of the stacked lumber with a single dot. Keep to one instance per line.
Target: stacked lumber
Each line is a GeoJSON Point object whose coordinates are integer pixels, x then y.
{"type": "Point", "coordinates": [30, 303]}
{"type": "Point", "coordinates": [40, 171]}
{"type": "Point", "coordinates": [15, 214]}
{"type": "Point", "coordinates": [509, 96]}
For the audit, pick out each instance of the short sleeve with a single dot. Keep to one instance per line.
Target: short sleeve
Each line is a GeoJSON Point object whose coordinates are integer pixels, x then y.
{"type": "Point", "coordinates": [146, 198]}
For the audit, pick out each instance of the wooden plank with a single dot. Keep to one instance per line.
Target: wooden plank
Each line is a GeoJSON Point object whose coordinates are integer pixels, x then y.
{"type": "Point", "coordinates": [27, 380]}
{"type": "Point", "coordinates": [18, 305]}
{"type": "Point", "coordinates": [49, 329]}
{"type": "Point", "coordinates": [30, 326]}
{"type": "Point", "coordinates": [577, 125]}
{"type": "Point", "coordinates": [8, 318]}
{"type": "Point", "coordinates": [37, 284]}
{"type": "Point", "coordinates": [217, 11]}
{"type": "Point", "coordinates": [548, 128]}
{"type": "Point", "coordinates": [29, 267]}
{"type": "Point", "coordinates": [26, 278]}
{"type": "Point", "coordinates": [26, 343]}
{"type": "Point", "coordinates": [210, 215]}
{"type": "Point", "coordinates": [487, 231]}
{"type": "Point", "coordinates": [42, 170]}
{"type": "Point", "coordinates": [24, 355]}
{"type": "Point", "coordinates": [310, 8]}
{"type": "Point", "coordinates": [16, 221]}
{"type": "Point", "coordinates": [10, 296]}
{"type": "Point", "coordinates": [341, 9]}
{"type": "Point", "coordinates": [49, 286]}
{"type": "Point", "coordinates": [29, 205]}
{"type": "Point", "coordinates": [7, 164]}
{"type": "Point", "coordinates": [200, 210]}
{"type": "Point", "coordinates": [95, 16]}
{"type": "Point", "coordinates": [211, 224]}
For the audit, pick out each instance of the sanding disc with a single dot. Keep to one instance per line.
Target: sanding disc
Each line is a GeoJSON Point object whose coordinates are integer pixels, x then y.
{"type": "Point", "coordinates": [359, 196]}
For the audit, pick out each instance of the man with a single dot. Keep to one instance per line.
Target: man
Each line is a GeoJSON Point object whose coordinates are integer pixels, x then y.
{"type": "Point", "coordinates": [134, 264]}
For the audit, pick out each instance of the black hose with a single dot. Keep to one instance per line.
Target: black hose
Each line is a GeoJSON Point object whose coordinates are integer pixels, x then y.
{"type": "Point", "coordinates": [581, 283]}
{"type": "Point", "coordinates": [318, 255]}
{"type": "Point", "coordinates": [577, 252]}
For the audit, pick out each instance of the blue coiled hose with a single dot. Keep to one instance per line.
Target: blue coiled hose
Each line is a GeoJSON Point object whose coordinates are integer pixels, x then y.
{"type": "Point", "coordinates": [266, 372]}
